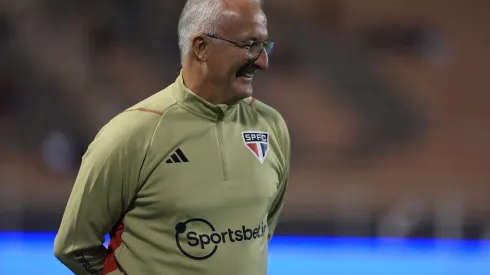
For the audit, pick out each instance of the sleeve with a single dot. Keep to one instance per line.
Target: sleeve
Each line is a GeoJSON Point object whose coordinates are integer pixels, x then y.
{"type": "Point", "coordinates": [104, 189]}
{"type": "Point", "coordinates": [278, 203]}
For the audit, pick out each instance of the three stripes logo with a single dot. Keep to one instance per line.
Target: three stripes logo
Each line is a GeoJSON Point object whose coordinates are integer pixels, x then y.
{"type": "Point", "coordinates": [257, 143]}
{"type": "Point", "coordinates": [177, 157]}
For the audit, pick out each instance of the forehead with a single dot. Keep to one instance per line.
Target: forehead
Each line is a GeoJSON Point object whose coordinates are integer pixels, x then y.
{"type": "Point", "coordinates": [244, 23]}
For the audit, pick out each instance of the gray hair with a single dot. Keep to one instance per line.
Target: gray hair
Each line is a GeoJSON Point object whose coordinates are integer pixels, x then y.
{"type": "Point", "coordinates": [198, 16]}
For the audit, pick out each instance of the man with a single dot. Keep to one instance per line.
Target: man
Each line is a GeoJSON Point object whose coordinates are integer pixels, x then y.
{"type": "Point", "coordinates": [190, 181]}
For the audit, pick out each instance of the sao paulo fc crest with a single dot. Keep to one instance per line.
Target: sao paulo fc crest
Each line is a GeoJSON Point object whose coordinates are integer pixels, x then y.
{"type": "Point", "coordinates": [257, 143]}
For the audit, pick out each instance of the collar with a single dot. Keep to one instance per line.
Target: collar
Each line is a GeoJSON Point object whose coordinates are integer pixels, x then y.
{"type": "Point", "coordinates": [198, 106]}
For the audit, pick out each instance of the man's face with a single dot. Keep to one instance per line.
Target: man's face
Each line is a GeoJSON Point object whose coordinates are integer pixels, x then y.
{"type": "Point", "coordinates": [230, 66]}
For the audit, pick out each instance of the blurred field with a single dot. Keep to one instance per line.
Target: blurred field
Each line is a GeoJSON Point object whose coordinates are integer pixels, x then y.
{"type": "Point", "coordinates": [297, 255]}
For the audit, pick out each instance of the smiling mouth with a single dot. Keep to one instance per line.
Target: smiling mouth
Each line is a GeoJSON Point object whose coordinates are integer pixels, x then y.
{"type": "Point", "coordinates": [245, 74]}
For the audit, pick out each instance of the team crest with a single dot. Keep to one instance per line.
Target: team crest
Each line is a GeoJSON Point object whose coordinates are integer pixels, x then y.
{"type": "Point", "coordinates": [257, 143]}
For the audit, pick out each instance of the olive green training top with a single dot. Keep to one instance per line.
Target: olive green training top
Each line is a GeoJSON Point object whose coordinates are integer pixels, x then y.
{"type": "Point", "coordinates": [183, 186]}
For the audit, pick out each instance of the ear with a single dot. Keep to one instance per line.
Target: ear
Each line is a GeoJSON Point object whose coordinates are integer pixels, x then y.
{"type": "Point", "coordinates": [200, 47]}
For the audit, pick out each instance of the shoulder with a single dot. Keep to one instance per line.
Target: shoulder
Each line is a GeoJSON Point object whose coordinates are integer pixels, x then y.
{"type": "Point", "coordinates": [144, 114]}
{"type": "Point", "coordinates": [156, 104]}
{"type": "Point", "coordinates": [136, 125]}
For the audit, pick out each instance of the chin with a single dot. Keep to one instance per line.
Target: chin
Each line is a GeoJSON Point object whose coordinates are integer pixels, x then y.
{"type": "Point", "coordinates": [242, 89]}
{"type": "Point", "coordinates": [243, 92]}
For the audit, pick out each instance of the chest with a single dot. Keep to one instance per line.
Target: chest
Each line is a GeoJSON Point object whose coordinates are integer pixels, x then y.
{"type": "Point", "coordinates": [222, 167]}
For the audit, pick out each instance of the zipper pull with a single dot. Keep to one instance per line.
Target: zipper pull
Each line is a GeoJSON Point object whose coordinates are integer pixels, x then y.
{"type": "Point", "coordinates": [221, 115]}
{"type": "Point", "coordinates": [222, 111]}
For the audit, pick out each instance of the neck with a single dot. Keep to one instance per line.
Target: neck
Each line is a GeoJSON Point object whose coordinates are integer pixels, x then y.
{"type": "Point", "coordinates": [195, 80]}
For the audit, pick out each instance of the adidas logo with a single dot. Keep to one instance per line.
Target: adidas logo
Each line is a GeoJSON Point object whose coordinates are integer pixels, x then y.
{"type": "Point", "coordinates": [177, 157]}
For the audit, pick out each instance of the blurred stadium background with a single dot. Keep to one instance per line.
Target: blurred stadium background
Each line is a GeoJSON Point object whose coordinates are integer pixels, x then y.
{"type": "Point", "coordinates": [388, 104]}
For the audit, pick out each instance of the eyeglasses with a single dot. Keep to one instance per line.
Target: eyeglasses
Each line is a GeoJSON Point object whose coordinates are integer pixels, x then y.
{"type": "Point", "coordinates": [255, 48]}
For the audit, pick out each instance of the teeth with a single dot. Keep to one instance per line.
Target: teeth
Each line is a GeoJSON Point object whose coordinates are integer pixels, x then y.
{"type": "Point", "coordinates": [250, 75]}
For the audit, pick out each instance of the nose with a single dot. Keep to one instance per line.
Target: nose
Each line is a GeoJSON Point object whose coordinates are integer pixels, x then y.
{"type": "Point", "coordinates": [262, 61]}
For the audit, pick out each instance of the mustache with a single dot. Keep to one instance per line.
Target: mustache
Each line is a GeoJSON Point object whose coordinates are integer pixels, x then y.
{"type": "Point", "coordinates": [250, 65]}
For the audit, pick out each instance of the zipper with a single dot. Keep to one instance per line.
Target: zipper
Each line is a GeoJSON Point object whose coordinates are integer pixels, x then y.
{"type": "Point", "coordinates": [219, 129]}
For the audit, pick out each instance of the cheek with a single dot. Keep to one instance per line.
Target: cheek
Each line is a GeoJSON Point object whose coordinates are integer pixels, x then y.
{"type": "Point", "coordinates": [233, 65]}
{"type": "Point", "coordinates": [227, 62]}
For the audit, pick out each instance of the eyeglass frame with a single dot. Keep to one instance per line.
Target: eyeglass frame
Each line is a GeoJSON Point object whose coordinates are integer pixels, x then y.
{"type": "Point", "coordinates": [248, 45]}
